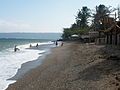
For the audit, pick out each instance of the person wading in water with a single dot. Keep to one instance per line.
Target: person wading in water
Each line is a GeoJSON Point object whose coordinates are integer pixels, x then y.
{"type": "Point", "coordinates": [16, 49]}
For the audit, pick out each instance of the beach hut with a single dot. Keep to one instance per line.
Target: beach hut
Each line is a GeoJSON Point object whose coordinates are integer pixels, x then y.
{"type": "Point", "coordinates": [93, 35]}
{"type": "Point", "coordinates": [113, 34]}
{"type": "Point", "coordinates": [85, 38]}
{"type": "Point", "coordinates": [110, 32]}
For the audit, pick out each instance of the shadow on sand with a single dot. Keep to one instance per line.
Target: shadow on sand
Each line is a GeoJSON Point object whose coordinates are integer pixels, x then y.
{"type": "Point", "coordinates": [110, 65]}
{"type": "Point", "coordinates": [99, 70]}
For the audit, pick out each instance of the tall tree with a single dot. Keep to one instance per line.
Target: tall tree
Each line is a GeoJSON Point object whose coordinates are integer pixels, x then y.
{"type": "Point", "coordinates": [101, 12]}
{"type": "Point", "coordinates": [82, 17]}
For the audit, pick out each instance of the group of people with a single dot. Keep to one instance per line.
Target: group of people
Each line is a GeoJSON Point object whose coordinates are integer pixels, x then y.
{"type": "Point", "coordinates": [17, 49]}
{"type": "Point", "coordinates": [36, 45]}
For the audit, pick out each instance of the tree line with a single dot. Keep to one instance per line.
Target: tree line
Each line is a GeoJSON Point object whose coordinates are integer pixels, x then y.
{"type": "Point", "coordinates": [87, 18]}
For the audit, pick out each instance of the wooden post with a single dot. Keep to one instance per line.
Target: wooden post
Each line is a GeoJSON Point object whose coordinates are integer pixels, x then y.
{"type": "Point", "coordinates": [116, 39]}
{"type": "Point", "coordinates": [111, 38]}
{"type": "Point", "coordinates": [107, 39]}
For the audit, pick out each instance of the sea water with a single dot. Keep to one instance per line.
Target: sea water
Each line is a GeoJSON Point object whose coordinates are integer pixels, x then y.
{"type": "Point", "coordinates": [11, 61]}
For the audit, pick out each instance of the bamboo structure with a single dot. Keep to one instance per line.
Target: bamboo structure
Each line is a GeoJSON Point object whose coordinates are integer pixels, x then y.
{"type": "Point", "coordinates": [113, 34]}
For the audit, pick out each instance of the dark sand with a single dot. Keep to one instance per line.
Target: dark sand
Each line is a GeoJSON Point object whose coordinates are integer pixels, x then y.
{"type": "Point", "coordinates": [74, 66]}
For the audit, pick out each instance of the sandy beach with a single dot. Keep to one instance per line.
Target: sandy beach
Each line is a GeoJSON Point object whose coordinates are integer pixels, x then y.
{"type": "Point", "coordinates": [74, 66]}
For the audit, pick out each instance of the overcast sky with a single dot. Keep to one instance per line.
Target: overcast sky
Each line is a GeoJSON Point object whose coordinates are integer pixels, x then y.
{"type": "Point", "coordinates": [43, 15]}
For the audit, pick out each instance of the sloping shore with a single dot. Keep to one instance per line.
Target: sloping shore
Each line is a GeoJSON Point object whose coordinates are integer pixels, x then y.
{"type": "Point", "coordinates": [26, 67]}
{"type": "Point", "coordinates": [74, 66]}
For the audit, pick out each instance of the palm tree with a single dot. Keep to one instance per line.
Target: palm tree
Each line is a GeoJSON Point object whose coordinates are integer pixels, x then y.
{"type": "Point", "coordinates": [82, 17]}
{"type": "Point", "coordinates": [101, 12]}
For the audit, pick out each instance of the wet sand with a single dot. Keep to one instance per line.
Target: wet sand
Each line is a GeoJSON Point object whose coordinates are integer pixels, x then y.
{"type": "Point", "coordinates": [74, 66]}
{"type": "Point", "coordinates": [26, 67]}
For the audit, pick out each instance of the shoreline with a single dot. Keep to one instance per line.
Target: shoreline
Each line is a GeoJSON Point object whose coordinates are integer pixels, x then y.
{"type": "Point", "coordinates": [22, 73]}
{"type": "Point", "coordinates": [73, 66]}
{"type": "Point", "coordinates": [28, 66]}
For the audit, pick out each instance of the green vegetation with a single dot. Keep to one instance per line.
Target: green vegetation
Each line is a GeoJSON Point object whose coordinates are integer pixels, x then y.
{"type": "Point", "coordinates": [80, 26]}
{"type": "Point", "coordinates": [87, 19]}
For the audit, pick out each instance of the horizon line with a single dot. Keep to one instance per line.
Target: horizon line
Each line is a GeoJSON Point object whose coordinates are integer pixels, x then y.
{"type": "Point", "coordinates": [31, 32]}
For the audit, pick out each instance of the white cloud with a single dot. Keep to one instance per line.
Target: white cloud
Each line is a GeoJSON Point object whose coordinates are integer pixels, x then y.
{"type": "Point", "coordinates": [15, 26]}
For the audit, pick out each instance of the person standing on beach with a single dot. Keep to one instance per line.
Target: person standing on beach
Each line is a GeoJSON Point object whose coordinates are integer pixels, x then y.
{"type": "Point", "coordinates": [56, 43]}
{"type": "Point", "coordinates": [30, 45]}
{"type": "Point", "coordinates": [62, 43]}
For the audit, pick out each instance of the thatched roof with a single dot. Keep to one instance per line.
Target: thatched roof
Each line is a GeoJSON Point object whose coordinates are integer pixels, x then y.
{"type": "Point", "coordinates": [114, 27]}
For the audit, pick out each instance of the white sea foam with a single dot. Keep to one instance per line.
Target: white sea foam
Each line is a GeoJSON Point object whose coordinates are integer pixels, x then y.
{"type": "Point", "coordinates": [34, 44]}
{"type": "Point", "coordinates": [11, 61]}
